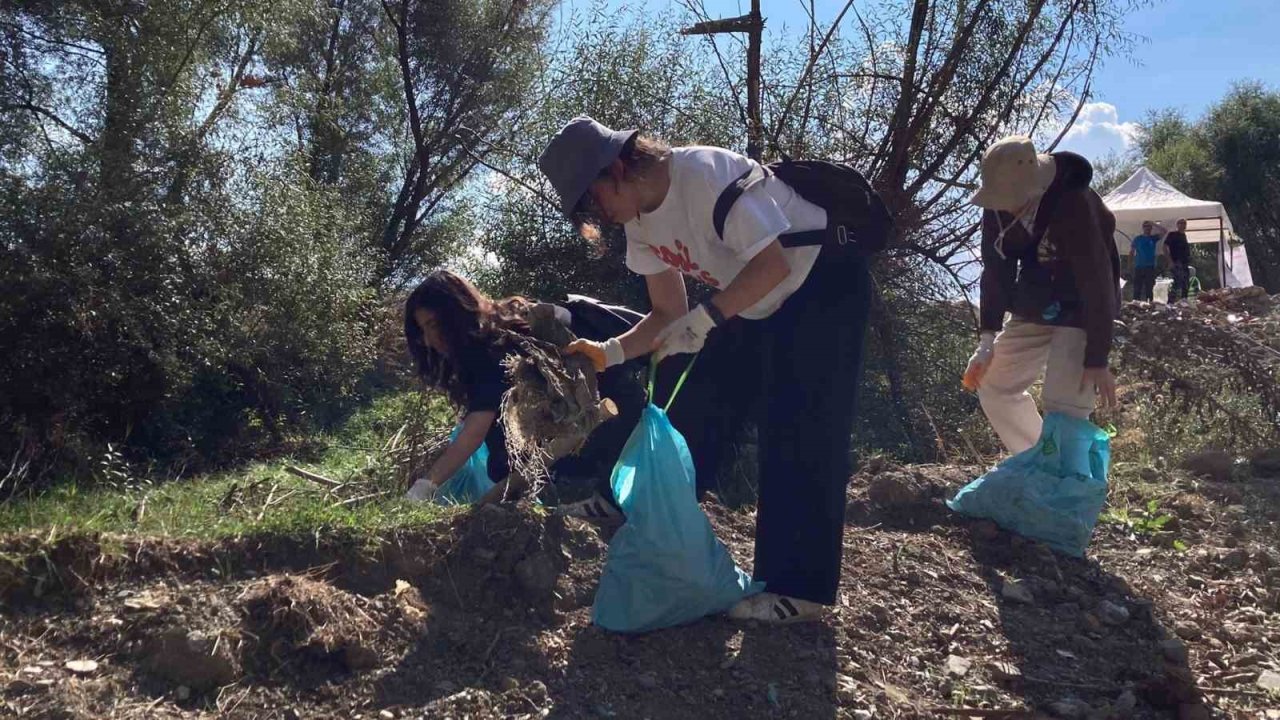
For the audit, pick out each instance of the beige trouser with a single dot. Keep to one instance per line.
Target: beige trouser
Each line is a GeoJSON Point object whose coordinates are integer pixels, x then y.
{"type": "Point", "coordinates": [1022, 351]}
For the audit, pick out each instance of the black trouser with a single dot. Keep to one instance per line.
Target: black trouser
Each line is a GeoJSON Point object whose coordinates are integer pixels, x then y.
{"type": "Point", "coordinates": [624, 385]}
{"type": "Point", "coordinates": [1144, 283]}
{"type": "Point", "coordinates": [1181, 273]}
{"type": "Point", "coordinates": [798, 372]}
{"type": "Point", "coordinates": [604, 445]}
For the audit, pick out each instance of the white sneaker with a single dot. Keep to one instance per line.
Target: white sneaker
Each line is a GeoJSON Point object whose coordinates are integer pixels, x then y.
{"type": "Point", "coordinates": [422, 491]}
{"type": "Point", "coordinates": [776, 609]}
{"type": "Point", "coordinates": [594, 508]}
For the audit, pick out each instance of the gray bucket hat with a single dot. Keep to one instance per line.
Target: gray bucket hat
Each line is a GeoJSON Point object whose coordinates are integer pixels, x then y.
{"type": "Point", "coordinates": [577, 154]}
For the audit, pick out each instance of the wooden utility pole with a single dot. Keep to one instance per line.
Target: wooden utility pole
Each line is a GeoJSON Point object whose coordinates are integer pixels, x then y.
{"type": "Point", "coordinates": [753, 25]}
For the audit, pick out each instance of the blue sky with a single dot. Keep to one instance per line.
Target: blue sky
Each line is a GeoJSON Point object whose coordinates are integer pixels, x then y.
{"type": "Point", "coordinates": [1192, 52]}
{"type": "Point", "coordinates": [1189, 53]}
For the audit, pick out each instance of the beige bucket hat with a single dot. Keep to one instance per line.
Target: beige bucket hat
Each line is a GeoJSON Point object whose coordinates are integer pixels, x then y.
{"type": "Point", "coordinates": [1012, 174]}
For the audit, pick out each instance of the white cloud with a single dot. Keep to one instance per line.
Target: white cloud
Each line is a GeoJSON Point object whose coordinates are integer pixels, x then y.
{"type": "Point", "coordinates": [1098, 131]}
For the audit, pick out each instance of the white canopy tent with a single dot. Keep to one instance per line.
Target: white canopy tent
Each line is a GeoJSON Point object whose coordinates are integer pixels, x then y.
{"type": "Point", "coordinates": [1147, 196]}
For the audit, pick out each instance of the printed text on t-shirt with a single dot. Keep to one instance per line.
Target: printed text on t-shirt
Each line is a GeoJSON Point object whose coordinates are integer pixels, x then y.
{"type": "Point", "coordinates": [680, 260]}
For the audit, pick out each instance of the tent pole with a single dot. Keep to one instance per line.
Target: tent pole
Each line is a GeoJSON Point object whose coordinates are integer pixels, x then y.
{"type": "Point", "coordinates": [1222, 253]}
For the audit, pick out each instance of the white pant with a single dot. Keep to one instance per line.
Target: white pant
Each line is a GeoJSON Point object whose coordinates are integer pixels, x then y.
{"type": "Point", "coordinates": [1022, 351]}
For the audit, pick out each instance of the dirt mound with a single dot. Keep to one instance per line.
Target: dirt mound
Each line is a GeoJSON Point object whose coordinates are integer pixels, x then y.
{"type": "Point", "coordinates": [499, 557]}
{"type": "Point", "coordinates": [905, 495]}
{"type": "Point", "coordinates": [193, 659]}
{"type": "Point", "coordinates": [1226, 346]}
{"type": "Point", "coordinates": [487, 615]}
{"type": "Point", "coordinates": [1252, 300]}
{"type": "Point", "coordinates": [297, 616]}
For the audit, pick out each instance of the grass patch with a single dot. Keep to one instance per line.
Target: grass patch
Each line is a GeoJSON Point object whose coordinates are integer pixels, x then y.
{"type": "Point", "coordinates": [211, 507]}
{"type": "Point", "coordinates": [259, 498]}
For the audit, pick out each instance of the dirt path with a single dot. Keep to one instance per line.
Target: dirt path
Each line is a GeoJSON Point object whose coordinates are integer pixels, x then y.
{"type": "Point", "coordinates": [488, 616]}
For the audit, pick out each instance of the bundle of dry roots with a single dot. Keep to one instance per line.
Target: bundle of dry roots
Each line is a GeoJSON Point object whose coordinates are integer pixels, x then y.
{"type": "Point", "coordinates": [554, 402]}
{"type": "Point", "coordinates": [553, 405]}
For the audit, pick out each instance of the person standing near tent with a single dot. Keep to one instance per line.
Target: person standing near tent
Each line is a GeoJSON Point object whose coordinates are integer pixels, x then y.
{"type": "Point", "coordinates": [784, 325]}
{"type": "Point", "coordinates": [1047, 259]}
{"type": "Point", "coordinates": [1193, 284]}
{"type": "Point", "coordinates": [1179, 252]}
{"type": "Point", "coordinates": [1142, 250]}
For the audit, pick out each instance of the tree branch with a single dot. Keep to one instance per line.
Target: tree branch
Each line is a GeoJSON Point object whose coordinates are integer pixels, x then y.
{"type": "Point", "coordinates": [37, 110]}
{"type": "Point", "coordinates": [808, 70]}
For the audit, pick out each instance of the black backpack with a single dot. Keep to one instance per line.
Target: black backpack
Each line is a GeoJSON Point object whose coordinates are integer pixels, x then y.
{"type": "Point", "coordinates": [595, 320]}
{"type": "Point", "coordinates": [857, 219]}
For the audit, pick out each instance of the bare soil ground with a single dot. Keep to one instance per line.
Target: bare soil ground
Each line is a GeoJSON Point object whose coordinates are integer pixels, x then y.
{"type": "Point", "coordinates": [487, 615]}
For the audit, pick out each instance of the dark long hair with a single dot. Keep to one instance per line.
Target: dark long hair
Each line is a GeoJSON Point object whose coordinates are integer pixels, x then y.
{"type": "Point", "coordinates": [472, 326]}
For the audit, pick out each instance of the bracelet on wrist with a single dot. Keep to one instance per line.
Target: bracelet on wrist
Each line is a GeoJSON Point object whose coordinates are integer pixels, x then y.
{"type": "Point", "coordinates": [717, 317]}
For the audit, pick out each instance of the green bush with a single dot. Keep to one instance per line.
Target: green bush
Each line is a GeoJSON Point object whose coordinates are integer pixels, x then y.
{"type": "Point", "coordinates": [193, 338]}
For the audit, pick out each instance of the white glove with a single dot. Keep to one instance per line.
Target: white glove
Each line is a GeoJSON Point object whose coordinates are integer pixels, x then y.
{"type": "Point", "coordinates": [603, 355]}
{"type": "Point", "coordinates": [422, 491]}
{"type": "Point", "coordinates": [685, 335]}
{"type": "Point", "coordinates": [980, 360]}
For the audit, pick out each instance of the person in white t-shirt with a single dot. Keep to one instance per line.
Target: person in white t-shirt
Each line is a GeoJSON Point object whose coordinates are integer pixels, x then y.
{"type": "Point", "coordinates": [783, 334]}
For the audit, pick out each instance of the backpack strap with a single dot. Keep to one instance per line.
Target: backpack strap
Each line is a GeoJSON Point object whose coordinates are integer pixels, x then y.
{"type": "Point", "coordinates": [730, 194]}
{"type": "Point", "coordinates": [745, 182]}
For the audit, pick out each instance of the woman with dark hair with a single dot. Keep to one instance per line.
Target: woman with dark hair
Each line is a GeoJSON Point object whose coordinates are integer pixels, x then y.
{"type": "Point", "coordinates": [458, 337]}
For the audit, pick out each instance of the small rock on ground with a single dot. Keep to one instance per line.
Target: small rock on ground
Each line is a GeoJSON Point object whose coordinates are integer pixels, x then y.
{"type": "Point", "coordinates": [985, 530]}
{"type": "Point", "coordinates": [1214, 464]}
{"type": "Point", "coordinates": [1269, 680]}
{"type": "Point", "coordinates": [1188, 631]}
{"type": "Point", "coordinates": [1015, 591]}
{"type": "Point", "coordinates": [896, 489]}
{"type": "Point", "coordinates": [1174, 650]}
{"type": "Point", "coordinates": [1112, 613]}
{"type": "Point", "coordinates": [1194, 711]}
{"type": "Point", "coordinates": [1070, 709]}
{"type": "Point", "coordinates": [1266, 463]}
{"type": "Point", "coordinates": [957, 666]}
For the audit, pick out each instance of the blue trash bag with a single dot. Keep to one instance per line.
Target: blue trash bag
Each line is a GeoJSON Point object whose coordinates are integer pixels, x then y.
{"type": "Point", "coordinates": [665, 565]}
{"type": "Point", "coordinates": [471, 481]}
{"type": "Point", "coordinates": [1052, 492]}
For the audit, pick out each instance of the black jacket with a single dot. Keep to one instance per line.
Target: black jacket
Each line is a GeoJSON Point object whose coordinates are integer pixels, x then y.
{"type": "Point", "coordinates": [1066, 271]}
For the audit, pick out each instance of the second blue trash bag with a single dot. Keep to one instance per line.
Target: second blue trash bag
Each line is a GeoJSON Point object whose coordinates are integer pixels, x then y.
{"type": "Point", "coordinates": [471, 481]}
{"type": "Point", "coordinates": [665, 565]}
{"type": "Point", "coordinates": [1052, 492]}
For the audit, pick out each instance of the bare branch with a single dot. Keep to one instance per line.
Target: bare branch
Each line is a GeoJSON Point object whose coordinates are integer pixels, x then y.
{"type": "Point", "coordinates": [1084, 98]}
{"type": "Point", "coordinates": [744, 23]}
{"type": "Point", "coordinates": [808, 70]}
{"type": "Point", "coordinates": [233, 86]}
{"type": "Point", "coordinates": [44, 112]}
{"type": "Point", "coordinates": [728, 78]}
{"type": "Point", "coordinates": [555, 204]}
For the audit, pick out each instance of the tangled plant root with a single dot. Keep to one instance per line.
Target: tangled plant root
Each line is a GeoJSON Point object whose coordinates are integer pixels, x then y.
{"type": "Point", "coordinates": [294, 614]}
{"type": "Point", "coordinates": [554, 401]}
